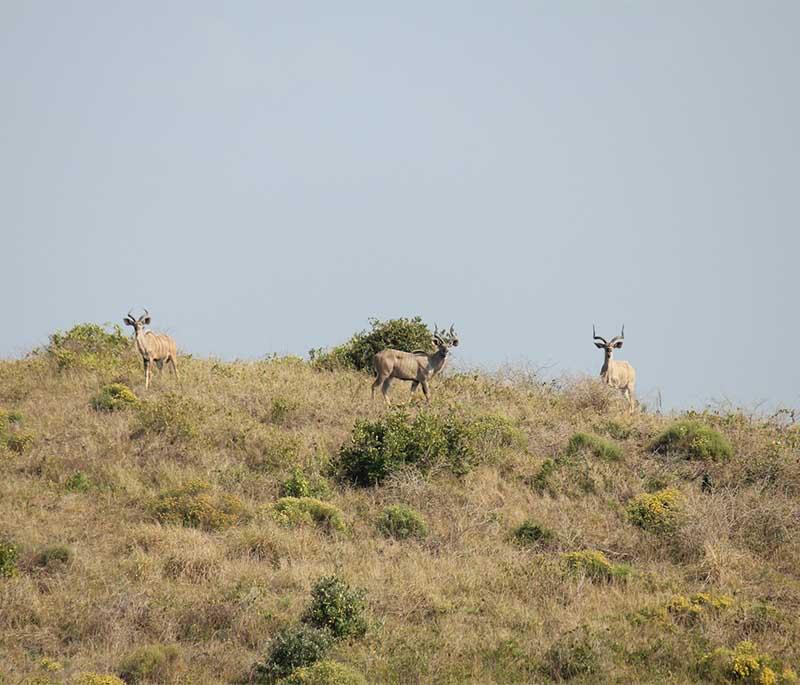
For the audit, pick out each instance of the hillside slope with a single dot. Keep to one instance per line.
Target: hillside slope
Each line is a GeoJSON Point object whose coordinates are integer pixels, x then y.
{"type": "Point", "coordinates": [154, 526]}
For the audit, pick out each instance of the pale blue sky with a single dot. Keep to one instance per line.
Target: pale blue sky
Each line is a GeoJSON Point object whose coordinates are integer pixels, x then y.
{"type": "Point", "coordinates": [266, 176]}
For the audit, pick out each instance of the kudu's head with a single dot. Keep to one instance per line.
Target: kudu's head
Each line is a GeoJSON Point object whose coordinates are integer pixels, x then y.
{"type": "Point", "coordinates": [138, 324]}
{"type": "Point", "coordinates": [444, 340]}
{"type": "Point", "coordinates": [609, 346]}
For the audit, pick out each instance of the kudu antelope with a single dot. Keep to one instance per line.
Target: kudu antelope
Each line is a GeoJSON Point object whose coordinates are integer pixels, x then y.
{"type": "Point", "coordinates": [617, 374]}
{"type": "Point", "coordinates": [418, 366]}
{"type": "Point", "coordinates": [154, 347]}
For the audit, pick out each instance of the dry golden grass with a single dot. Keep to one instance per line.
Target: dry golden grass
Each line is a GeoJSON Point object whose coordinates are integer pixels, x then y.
{"type": "Point", "coordinates": [465, 604]}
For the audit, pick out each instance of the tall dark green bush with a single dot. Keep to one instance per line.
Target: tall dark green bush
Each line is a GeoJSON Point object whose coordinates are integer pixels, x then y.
{"type": "Point", "coordinates": [337, 608]}
{"type": "Point", "coordinates": [401, 522]}
{"type": "Point", "coordinates": [693, 440]}
{"type": "Point", "coordinates": [292, 648]}
{"type": "Point", "coordinates": [88, 345]}
{"type": "Point", "coordinates": [357, 353]}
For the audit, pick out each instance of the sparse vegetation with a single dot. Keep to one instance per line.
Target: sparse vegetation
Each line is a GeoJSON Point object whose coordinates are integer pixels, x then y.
{"type": "Point", "coordinates": [693, 440]}
{"type": "Point", "coordinates": [165, 532]}
{"type": "Point", "coordinates": [401, 522]}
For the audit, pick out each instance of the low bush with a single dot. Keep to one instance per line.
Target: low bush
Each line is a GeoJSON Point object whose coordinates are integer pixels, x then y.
{"type": "Point", "coordinates": [292, 648]}
{"type": "Point", "coordinates": [689, 609]}
{"type": "Point", "coordinates": [401, 522]}
{"type": "Point", "coordinates": [78, 482]}
{"type": "Point", "coordinates": [399, 334]}
{"type": "Point", "coordinates": [114, 397]}
{"type": "Point", "coordinates": [337, 608]}
{"type": "Point", "coordinates": [531, 534]}
{"type": "Point", "coordinates": [172, 416]}
{"type": "Point", "coordinates": [196, 506]}
{"type": "Point", "coordinates": [692, 440]}
{"type": "Point", "coordinates": [11, 436]}
{"type": "Point", "coordinates": [381, 447]}
{"type": "Point", "coordinates": [744, 664]}
{"type": "Point", "coordinates": [88, 345]}
{"type": "Point", "coordinates": [598, 447]}
{"type": "Point", "coordinates": [97, 679]}
{"type": "Point", "coordinates": [293, 511]}
{"type": "Point", "coordinates": [159, 663]}
{"type": "Point", "coordinates": [572, 655]}
{"type": "Point", "coordinates": [301, 485]}
{"type": "Point", "coordinates": [659, 512]}
{"type": "Point", "coordinates": [53, 558]}
{"type": "Point", "coordinates": [325, 673]}
{"type": "Point", "coordinates": [595, 566]}
{"type": "Point", "coordinates": [9, 553]}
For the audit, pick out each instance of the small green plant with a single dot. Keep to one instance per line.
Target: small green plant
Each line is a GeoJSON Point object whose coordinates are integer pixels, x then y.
{"type": "Point", "coordinates": [572, 655]}
{"type": "Point", "coordinates": [293, 511]}
{"type": "Point", "coordinates": [292, 648]}
{"type": "Point", "coordinates": [598, 447]}
{"type": "Point", "coordinates": [172, 416]}
{"type": "Point", "coordinates": [159, 663]}
{"type": "Point", "coordinates": [301, 485]}
{"type": "Point", "coordinates": [358, 352]}
{"type": "Point", "coordinates": [541, 481]}
{"type": "Point", "coordinates": [78, 482]}
{"type": "Point", "coordinates": [688, 609]}
{"type": "Point", "coordinates": [9, 553]}
{"type": "Point", "coordinates": [325, 672]}
{"type": "Point", "coordinates": [531, 534]}
{"type": "Point", "coordinates": [401, 522]}
{"type": "Point", "coordinates": [53, 558]}
{"type": "Point", "coordinates": [97, 679]}
{"type": "Point", "coordinates": [195, 505]}
{"type": "Point", "coordinates": [114, 397]}
{"type": "Point", "coordinates": [659, 512]}
{"type": "Point", "coordinates": [693, 440]}
{"type": "Point", "coordinates": [743, 664]}
{"type": "Point", "coordinates": [595, 566]}
{"type": "Point", "coordinates": [337, 608]}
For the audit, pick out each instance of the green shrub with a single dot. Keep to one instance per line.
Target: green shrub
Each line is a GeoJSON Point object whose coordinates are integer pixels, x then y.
{"type": "Point", "coordinates": [693, 440]}
{"type": "Point", "coordinates": [97, 679]}
{"type": "Point", "coordinates": [9, 553]}
{"type": "Point", "coordinates": [301, 485]}
{"type": "Point", "coordinates": [399, 334]}
{"type": "Point", "coordinates": [292, 648]}
{"type": "Point", "coordinates": [659, 512]}
{"type": "Point", "coordinates": [572, 655]}
{"type": "Point", "coordinates": [78, 482]}
{"type": "Point", "coordinates": [401, 522]}
{"type": "Point", "coordinates": [113, 397]}
{"type": "Point", "coordinates": [531, 534]}
{"type": "Point", "coordinates": [744, 664]}
{"type": "Point", "coordinates": [294, 511]}
{"type": "Point", "coordinates": [172, 416]}
{"type": "Point", "coordinates": [53, 558]}
{"type": "Point", "coordinates": [688, 609]}
{"type": "Point", "coordinates": [158, 663]}
{"type": "Point", "coordinates": [196, 506]}
{"type": "Point", "coordinates": [379, 448]}
{"type": "Point", "coordinates": [337, 608]}
{"type": "Point", "coordinates": [541, 481]}
{"type": "Point", "coordinates": [595, 566]}
{"type": "Point", "coordinates": [88, 345]}
{"type": "Point", "coordinates": [602, 449]}
{"type": "Point", "coordinates": [325, 673]}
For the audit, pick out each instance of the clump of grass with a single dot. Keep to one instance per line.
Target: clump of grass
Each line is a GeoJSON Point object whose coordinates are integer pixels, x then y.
{"type": "Point", "coordinates": [572, 655]}
{"type": "Point", "coordinates": [379, 448]}
{"type": "Point", "coordinates": [292, 648]}
{"type": "Point", "coordinates": [337, 608]}
{"type": "Point", "coordinates": [301, 485]}
{"type": "Point", "coordinates": [78, 482]}
{"type": "Point", "coordinates": [89, 346]}
{"type": "Point", "coordinates": [542, 479]}
{"type": "Point", "coordinates": [659, 512]}
{"type": "Point", "coordinates": [401, 522]}
{"type": "Point", "coordinates": [151, 663]}
{"type": "Point", "coordinates": [358, 352]}
{"type": "Point", "coordinates": [744, 664]}
{"type": "Point", "coordinates": [693, 440]}
{"type": "Point", "coordinates": [114, 397]}
{"type": "Point", "coordinates": [531, 534]}
{"type": "Point", "coordinates": [172, 416]}
{"type": "Point", "coordinates": [11, 437]}
{"type": "Point", "coordinates": [325, 672]}
{"type": "Point", "coordinates": [195, 505]}
{"type": "Point", "coordinates": [89, 678]}
{"type": "Point", "coordinates": [53, 558]}
{"type": "Point", "coordinates": [293, 511]}
{"type": "Point", "coordinates": [688, 609]}
{"type": "Point", "coordinates": [9, 553]}
{"type": "Point", "coordinates": [598, 447]}
{"type": "Point", "coordinates": [595, 566]}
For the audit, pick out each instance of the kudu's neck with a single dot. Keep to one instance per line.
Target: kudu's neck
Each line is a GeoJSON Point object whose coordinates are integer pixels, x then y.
{"type": "Point", "coordinates": [606, 362]}
{"type": "Point", "coordinates": [438, 359]}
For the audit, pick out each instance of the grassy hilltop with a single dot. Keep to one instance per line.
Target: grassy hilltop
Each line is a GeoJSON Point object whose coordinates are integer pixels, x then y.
{"type": "Point", "coordinates": [266, 522]}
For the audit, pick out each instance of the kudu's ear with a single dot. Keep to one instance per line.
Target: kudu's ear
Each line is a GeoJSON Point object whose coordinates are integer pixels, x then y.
{"type": "Point", "coordinates": [618, 344]}
{"type": "Point", "coordinates": [599, 345]}
{"type": "Point", "coordinates": [454, 343]}
{"type": "Point", "coordinates": [146, 321]}
{"type": "Point", "coordinates": [128, 321]}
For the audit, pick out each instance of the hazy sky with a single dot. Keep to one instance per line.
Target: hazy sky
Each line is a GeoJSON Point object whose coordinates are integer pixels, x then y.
{"type": "Point", "coordinates": [265, 176]}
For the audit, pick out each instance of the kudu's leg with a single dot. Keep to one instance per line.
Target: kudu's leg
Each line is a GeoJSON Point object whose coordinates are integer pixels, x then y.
{"type": "Point", "coordinates": [147, 369]}
{"type": "Point", "coordinates": [385, 389]}
{"type": "Point", "coordinates": [427, 391]}
{"type": "Point", "coordinates": [631, 397]}
{"type": "Point", "coordinates": [414, 385]}
{"type": "Point", "coordinates": [378, 381]}
{"type": "Point", "coordinates": [174, 367]}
